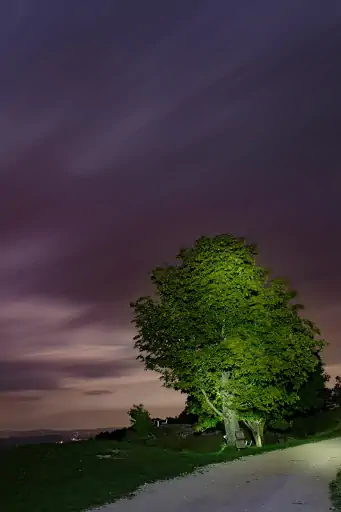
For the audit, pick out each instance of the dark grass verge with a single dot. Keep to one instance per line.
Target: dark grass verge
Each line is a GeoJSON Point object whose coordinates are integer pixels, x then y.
{"type": "Point", "coordinates": [72, 478]}
{"type": "Point", "coordinates": [335, 492]}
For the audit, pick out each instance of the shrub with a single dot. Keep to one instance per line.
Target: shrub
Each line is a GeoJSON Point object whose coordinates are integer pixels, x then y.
{"type": "Point", "coordinates": [140, 420]}
{"type": "Point", "coordinates": [198, 443]}
{"type": "Point", "coordinates": [335, 491]}
{"type": "Point", "coordinates": [115, 435]}
{"type": "Point", "coordinates": [323, 421]}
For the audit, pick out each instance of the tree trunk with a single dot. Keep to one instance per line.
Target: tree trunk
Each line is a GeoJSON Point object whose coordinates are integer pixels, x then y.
{"type": "Point", "coordinates": [229, 414]}
{"type": "Point", "coordinates": [231, 425]}
{"type": "Point", "coordinates": [257, 429]}
{"type": "Point", "coordinates": [258, 439]}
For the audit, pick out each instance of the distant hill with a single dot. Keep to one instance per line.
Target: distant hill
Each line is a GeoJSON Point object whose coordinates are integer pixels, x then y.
{"type": "Point", "coordinates": [10, 438]}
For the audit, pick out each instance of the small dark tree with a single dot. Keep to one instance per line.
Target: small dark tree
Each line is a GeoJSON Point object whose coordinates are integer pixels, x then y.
{"type": "Point", "coordinates": [337, 385]}
{"type": "Point", "coordinates": [333, 399]}
{"type": "Point", "coordinates": [115, 435]}
{"type": "Point", "coordinates": [140, 420]}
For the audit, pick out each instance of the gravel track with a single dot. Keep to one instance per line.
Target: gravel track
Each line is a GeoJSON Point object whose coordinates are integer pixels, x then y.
{"type": "Point", "coordinates": [290, 480]}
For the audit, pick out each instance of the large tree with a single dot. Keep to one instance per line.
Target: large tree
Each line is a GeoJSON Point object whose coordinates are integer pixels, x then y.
{"type": "Point", "coordinates": [220, 329]}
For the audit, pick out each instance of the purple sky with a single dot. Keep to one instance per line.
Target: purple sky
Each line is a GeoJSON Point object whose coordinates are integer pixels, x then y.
{"type": "Point", "coordinates": [128, 129]}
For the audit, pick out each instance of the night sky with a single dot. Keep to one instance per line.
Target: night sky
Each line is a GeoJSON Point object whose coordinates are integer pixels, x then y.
{"type": "Point", "coordinates": [128, 129]}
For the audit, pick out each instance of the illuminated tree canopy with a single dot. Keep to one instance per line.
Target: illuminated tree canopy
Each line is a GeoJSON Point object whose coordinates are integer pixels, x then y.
{"type": "Point", "coordinates": [219, 329]}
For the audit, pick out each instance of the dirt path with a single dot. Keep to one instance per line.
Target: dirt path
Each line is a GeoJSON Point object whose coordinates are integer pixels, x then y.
{"type": "Point", "coordinates": [291, 480]}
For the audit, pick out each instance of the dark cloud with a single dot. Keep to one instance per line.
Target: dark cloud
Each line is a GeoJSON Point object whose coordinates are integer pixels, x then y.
{"type": "Point", "coordinates": [102, 315]}
{"type": "Point", "coordinates": [130, 130]}
{"type": "Point", "coordinates": [268, 130]}
{"type": "Point", "coordinates": [42, 375]}
{"type": "Point", "coordinates": [21, 376]}
{"type": "Point", "coordinates": [27, 398]}
{"type": "Point", "coordinates": [98, 392]}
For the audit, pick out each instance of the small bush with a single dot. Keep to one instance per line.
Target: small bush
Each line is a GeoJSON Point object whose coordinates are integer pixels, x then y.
{"type": "Point", "coordinates": [335, 491]}
{"type": "Point", "coordinates": [323, 421]}
{"type": "Point", "coordinates": [140, 420]}
{"type": "Point", "coordinates": [198, 443]}
{"type": "Point", "coordinates": [280, 426]}
{"type": "Point", "coordinates": [204, 443]}
{"type": "Point", "coordinates": [271, 437]}
{"type": "Point", "coordinates": [116, 435]}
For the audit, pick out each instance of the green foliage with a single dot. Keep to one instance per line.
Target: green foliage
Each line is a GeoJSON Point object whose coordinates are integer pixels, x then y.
{"type": "Point", "coordinates": [140, 420]}
{"type": "Point", "coordinates": [206, 422]}
{"type": "Point", "coordinates": [280, 425]}
{"type": "Point", "coordinates": [203, 419]}
{"type": "Point", "coordinates": [312, 394]}
{"type": "Point", "coordinates": [322, 421]}
{"type": "Point", "coordinates": [221, 330]}
{"type": "Point", "coordinates": [187, 416]}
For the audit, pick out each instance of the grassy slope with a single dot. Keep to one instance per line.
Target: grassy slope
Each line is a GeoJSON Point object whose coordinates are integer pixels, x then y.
{"type": "Point", "coordinates": [71, 478]}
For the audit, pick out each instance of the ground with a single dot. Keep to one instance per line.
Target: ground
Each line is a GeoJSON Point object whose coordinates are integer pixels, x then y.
{"type": "Point", "coordinates": [291, 480]}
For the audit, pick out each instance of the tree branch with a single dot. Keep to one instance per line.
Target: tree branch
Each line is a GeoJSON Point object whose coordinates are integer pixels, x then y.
{"type": "Point", "coordinates": [211, 405]}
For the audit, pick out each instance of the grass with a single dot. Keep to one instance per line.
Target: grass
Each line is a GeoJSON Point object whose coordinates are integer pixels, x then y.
{"type": "Point", "coordinates": [74, 477]}
{"type": "Point", "coordinates": [335, 491]}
